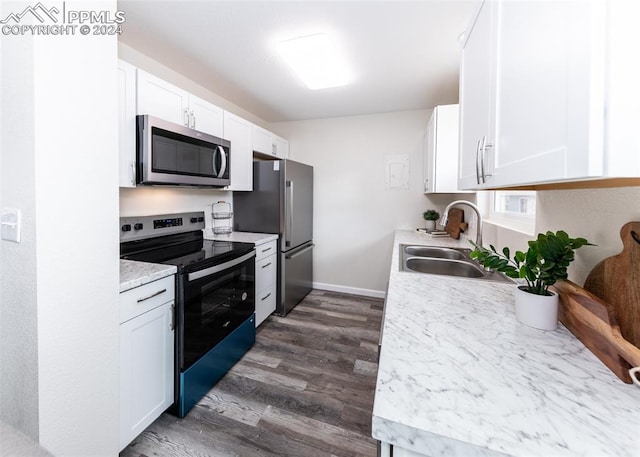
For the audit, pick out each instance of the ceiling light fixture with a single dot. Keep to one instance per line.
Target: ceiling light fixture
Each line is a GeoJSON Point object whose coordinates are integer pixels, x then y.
{"type": "Point", "coordinates": [316, 60]}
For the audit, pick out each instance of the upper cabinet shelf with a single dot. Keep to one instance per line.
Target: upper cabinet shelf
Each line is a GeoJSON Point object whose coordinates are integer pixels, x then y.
{"type": "Point", "coordinates": [545, 94]}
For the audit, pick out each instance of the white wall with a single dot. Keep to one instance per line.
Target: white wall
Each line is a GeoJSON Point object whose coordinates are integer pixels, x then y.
{"type": "Point", "coordinates": [18, 306]}
{"type": "Point", "coordinates": [148, 201]}
{"type": "Point", "coordinates": [60, 313]}
{"type": "Point", "coordinates": [355, 216]}
{"type": "Point", "coordinates": [595, 214]}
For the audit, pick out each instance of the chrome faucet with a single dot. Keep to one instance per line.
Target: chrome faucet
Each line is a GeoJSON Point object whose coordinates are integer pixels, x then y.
{"type": "Point", "coordinates": [445, 217]}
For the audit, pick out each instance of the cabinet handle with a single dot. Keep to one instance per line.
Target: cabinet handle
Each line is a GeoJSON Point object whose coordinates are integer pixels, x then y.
{"type": "Point", "coordinates": [140, 300]}
{"type": "Point", "coordinates": [193, 119]}
{"type": "Point", "coordinates": [265, 266]}
{"type": "Point", "coordinates": [426, 186]}
{"type": "Point", "coordinates": [267, 249]}
{"type": "Point", "coordinates": [477, 164]}
{"type": "Point", "coordinates": [483, 148]}
{"type": "Point", "coordinates": [185, 117]}
{"type": "Point", "coordinates": [132, 165]}
{"type": "Point", "coordinates": [173, 316]}
{"type": "Point", "coordinates": [265, 297]}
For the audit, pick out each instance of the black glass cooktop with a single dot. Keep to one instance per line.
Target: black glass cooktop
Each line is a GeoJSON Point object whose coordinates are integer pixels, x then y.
{"type": "Point", "coordinates": [188, 251]}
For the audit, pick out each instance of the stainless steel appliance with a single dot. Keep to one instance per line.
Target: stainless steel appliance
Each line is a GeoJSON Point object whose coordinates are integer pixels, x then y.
{"type": "Point", "coordinates": [215, 296]}
{"type": "Point", "coordinates": [282, 203]}
{"type": "Point", "coordinates": [172, 154]}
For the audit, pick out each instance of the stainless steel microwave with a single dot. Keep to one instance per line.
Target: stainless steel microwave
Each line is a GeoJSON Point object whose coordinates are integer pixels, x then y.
{"type": "Point", "coordinates": [175, 155]}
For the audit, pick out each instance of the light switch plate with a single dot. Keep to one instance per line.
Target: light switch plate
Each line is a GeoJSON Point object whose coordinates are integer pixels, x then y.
{"type": "Point", "coordinates": [10, 224]}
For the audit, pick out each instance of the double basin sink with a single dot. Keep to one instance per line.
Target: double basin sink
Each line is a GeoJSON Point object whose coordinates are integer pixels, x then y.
{"type": "Point", "coordinates": [445, 261]}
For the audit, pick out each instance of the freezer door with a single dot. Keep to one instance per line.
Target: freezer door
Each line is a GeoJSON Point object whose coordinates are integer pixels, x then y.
{"type": "Point", "coordinates": [296, 278]}
{"type": "Point", "coordinates": [298, 204]}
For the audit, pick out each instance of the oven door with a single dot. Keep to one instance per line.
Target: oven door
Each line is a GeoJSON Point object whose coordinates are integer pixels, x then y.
{"type": "Point", "coordinates": [213, 302]}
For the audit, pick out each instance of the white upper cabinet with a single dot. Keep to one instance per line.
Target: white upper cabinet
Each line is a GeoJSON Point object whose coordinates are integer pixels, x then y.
{"type": "Point", "coordinates": [475, 95]}
{"type": "Point", "coordinates": [238, 132]}
{"type": "Point", "coordinates": [127, 123]}
{"type": "Point", "coordinates": [280, 147]}
{"type": "Point", "coordinates": [534, 95]}
{"type": "Point", "coordinates": [206, 117]}
{"type": "Point", "coordinates": [159, 98]}
{"type": "Point", "coordinates": [261, 140]}
{"type": "Point", "coordinates": [267, 143]}
{"type": "Point", "coordinates": [441, 151]}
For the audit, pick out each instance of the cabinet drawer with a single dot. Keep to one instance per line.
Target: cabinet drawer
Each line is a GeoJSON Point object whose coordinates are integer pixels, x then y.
{"type": "Point", "coordinates": [266, 249]}
{"type": "Point", "coordinates": [139, 300]}
{"type": "Point", "coordinates": [265, 304]}
{"type": "Point", "coordinates": [266, 273]}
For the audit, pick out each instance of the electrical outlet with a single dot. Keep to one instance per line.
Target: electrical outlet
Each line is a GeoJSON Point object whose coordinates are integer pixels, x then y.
{"type": "Point", "coordinates": [10, 221]}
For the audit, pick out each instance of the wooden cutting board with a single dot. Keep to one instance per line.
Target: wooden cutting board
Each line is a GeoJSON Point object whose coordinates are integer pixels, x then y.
{"type": "Point", "coordinates": [455, 223]}
{"type": "Point", "coordinates": [593, 322]}
{"type": "Point", "coordinates": [616, 280]}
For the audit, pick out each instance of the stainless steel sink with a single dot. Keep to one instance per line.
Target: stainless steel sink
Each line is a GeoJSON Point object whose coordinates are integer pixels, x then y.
{"type": "Point", "coordinates": [445, 261]}
{"type": "Point", "coordinates": [445, 267]}
{"type": "Point", "coordinates": [437, 251]}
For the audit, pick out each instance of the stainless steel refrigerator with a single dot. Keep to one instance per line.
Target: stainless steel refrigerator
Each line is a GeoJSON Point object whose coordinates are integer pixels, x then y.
{"type": "Point", "coordinates": [282, 202]}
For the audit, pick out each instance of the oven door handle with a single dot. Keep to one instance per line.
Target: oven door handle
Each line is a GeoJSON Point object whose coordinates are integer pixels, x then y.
{"type": "Point", "coordinates": [218, 268]}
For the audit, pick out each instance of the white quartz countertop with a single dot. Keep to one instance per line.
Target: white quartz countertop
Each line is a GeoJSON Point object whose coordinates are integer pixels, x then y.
{"type": "Point", "coordinates": [459, 375]}
{"type": "Point", "coordinates": [242, 237]}
{"type": "Point", "coordinates": [135, 274]}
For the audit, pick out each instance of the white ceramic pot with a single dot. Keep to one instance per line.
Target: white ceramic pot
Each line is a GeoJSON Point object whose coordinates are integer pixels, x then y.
{"type": "Point", "coordinates": [537, 311]}
{"type": "Point", "coordinates": [430, 225]}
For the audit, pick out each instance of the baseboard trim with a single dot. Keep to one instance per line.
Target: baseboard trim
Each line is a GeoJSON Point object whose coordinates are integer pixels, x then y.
{"type": "Point", "coordinates": [348, 290]}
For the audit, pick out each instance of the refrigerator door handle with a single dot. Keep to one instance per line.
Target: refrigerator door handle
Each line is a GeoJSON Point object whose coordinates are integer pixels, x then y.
{"type": "Point", "coordinates": [289, 232]}
{"type": "Point", "coordinates": [300, 252]}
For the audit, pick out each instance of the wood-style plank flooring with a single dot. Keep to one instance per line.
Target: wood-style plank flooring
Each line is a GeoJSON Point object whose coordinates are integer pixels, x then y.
{"type": "Point", "coordinates": [305, 389]}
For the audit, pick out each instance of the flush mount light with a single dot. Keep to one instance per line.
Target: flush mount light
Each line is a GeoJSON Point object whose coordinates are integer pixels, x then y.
{"type": "Point", "coordinates": [316, 60]}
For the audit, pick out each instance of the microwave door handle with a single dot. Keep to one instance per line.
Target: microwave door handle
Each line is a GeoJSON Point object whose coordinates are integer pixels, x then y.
{"type": "Point", "coordinates": [213, 158]}
{"type": "Point", "coordinates": [223, 167]}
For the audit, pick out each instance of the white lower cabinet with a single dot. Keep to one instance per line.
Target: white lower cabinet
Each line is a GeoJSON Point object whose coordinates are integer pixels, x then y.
{"type": "Point", "coordinates": [266, 280]}
{"type": "Point", "coordinates": [146, 356]}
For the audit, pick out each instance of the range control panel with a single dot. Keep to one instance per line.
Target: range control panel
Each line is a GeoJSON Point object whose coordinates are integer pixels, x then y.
{"type": "Point", "coordinates": [138, 228]}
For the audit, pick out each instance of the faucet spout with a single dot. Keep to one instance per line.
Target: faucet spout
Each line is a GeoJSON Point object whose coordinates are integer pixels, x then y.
{"type": "Point", "coordinates": [445, 217]}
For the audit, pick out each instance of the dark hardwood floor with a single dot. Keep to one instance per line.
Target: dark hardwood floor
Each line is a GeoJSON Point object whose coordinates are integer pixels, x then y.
{"type": "Point", "coordinates": [305, 389]}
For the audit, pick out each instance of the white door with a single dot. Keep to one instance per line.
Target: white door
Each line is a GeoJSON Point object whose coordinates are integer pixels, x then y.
{"type": "Point", "coordinates": [206, 117]}
{"type": "Point", "coordinates": [146, 370]}
{"type": "Point", "coordinates": [543, 97]}
{"type": "Point", "coordinates": [428, 153]}
{"type": "Point", "coordinates": [127, 123]}
{"type": "Point", "coordinates": [261, 140]}
{"type": "Point", "coordinates": [280, 147]}
{"type": "Point", "coordinates": [476, 94]}
{"type": "Point", "coordinates": [159, 98]}
{"type": "Point", "coordinates": [238, 132]}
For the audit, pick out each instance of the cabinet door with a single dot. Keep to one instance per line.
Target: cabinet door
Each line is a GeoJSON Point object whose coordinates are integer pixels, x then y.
{"type": "Point", "coordinates": [429, 153]}
{"type": "Point", "coordinates": [476, 91]}
{"type": "Point", "coordinates": [544, 95]}
{"type": "Point", "coordinates": [280, 147]}
{"type": "Point", "coordinates": [238, 132]}
{"type": "Point", "coordinates": [261, 140]}
{"type": "Point", "coordinates": [146, 370]}
{"type": "Point", "coordinates": [127, 123]}
{"type": "Point", "coordinates": [205, 116]}
{"type": "Point", "coordinates": [159, 98]}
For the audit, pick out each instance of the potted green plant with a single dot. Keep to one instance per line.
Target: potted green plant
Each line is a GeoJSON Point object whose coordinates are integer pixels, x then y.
{"type": "Point", "coordinates": [431, 216]}
{"type": "Point", "coordinates": [544, 263]}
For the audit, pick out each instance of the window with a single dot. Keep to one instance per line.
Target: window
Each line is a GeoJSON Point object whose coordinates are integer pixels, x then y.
{"type": "Point", "coordinates": [515, 210]}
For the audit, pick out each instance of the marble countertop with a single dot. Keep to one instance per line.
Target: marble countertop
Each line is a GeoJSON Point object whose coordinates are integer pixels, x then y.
{"type": "Point", "coordinates": [243, 237]}
{"type": "Point", "coordinates": [459, 375]}
{"type": "Point", "coordinates": [135, 274]}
